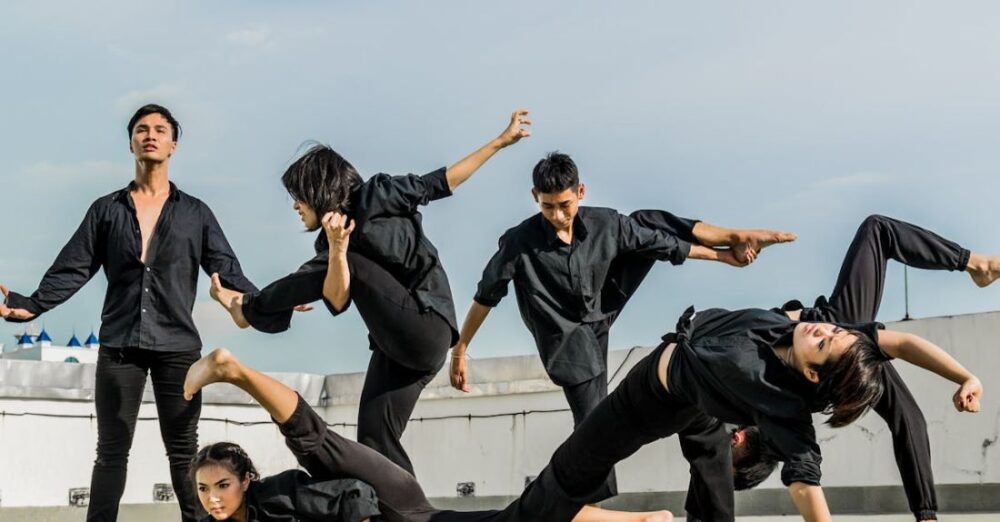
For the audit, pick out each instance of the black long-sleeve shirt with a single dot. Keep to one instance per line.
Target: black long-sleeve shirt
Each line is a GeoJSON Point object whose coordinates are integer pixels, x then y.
{"type": "Point", "coordinates": [147, 305]}
{"type": "Point", "coordinates": [724, 362]}
{"type": "Point", "coordinates": [294, 496]}
{"type": "Point", "coordinates": [562, 287]}
{"type": "Point", "coordinates": [387, 230]}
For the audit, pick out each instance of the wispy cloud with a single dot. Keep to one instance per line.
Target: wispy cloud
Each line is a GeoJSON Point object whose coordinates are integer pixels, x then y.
{"type": "Point", "coordinates": [255, 36]}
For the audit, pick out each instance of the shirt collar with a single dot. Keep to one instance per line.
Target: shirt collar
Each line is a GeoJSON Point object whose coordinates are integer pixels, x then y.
{"type": "Point", "coordinates": [579, 230]}
{"type": "Point", "coordinates": [123, 194]}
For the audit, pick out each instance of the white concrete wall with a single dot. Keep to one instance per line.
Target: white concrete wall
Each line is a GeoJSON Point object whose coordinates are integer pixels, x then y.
{"type": "Point", "coordinates": [42, 457]}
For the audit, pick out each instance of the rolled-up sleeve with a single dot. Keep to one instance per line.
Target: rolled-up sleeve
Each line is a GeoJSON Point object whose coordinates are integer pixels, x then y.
{"type": "Point", "coordinates": [401, 195]}
{"type": "Point", "coordinates": [499, 271]}
{"type": "Point", "coordinates": [663, 221]}
{"type": "Point", "coordinates": [794, 441]}
{"type": "Point", "coordinates": [657, 244]}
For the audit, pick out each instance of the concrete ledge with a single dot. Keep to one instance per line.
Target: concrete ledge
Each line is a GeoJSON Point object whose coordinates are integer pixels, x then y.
{"type": "Point", "coordinates": [881, 500]}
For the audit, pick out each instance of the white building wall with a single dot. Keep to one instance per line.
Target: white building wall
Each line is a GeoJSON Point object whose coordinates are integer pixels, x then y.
{"type": "Point", "coordinates": [42, 457]}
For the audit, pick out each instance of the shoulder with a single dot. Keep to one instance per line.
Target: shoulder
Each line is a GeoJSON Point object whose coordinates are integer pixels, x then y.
{"type": "Point", "coordinates": [522, 233]}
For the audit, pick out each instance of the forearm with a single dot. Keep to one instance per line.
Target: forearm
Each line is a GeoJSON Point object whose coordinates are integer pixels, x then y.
{"type": "Point", "coordinates": [464, 168]}
{"type": "Point", "coordinates": [927, 355]}
{"type": "Point", "coordinates": [473, 320]}
{"type": "Point", "coordinates": [711, 254]}
{"type": "Point", "coordinates": [337, 283]}
{"type": "Point", "coordinates": [810, 502]}
{"type": "Point", "coordinates": [712, 236]}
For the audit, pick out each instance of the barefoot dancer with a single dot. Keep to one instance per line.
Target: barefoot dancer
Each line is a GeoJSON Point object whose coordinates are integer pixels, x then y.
{"type": "Point", "coordinates": [373, 252]}
{"type": "Point", "coordinates": [572, 268]}
{"type": "Point", "coordinates": [340, 469]}
{"type": "Point", "coordinates": [855, 299]}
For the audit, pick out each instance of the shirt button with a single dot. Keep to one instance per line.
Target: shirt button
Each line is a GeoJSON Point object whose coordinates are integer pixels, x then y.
{"type": "Point", "coordinates": [143, 310]}
{"type": "Point", "coordinates": [146, 289]}
{"type": "Point", "coordinates": [147, 269]}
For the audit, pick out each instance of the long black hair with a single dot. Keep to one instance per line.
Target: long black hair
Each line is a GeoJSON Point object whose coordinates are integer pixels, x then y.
{"type": "Point", "coordinates": [852, 384]}
{"type": "Point", "coordinates": [322, 179]}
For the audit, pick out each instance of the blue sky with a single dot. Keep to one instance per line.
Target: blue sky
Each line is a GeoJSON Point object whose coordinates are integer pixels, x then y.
{"type": "Point", "coordinates": [787, 114]}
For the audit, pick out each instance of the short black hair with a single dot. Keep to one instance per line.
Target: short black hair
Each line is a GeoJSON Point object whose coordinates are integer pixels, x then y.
{"type": "Point", "coordinates": [555, 172]}
{"type": "Point", "coordinates": [849, 387]}
{"type": "Point", "coordinates": [322, 179]}
{"type": "Point", "coordinates": [757, 463]}
{"type": "Point", "coordinates": [153, 108]}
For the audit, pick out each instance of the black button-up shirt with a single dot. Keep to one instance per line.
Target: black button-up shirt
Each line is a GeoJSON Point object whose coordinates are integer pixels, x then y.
{"type": "Point", "coordinates": [559, 287]}
{"type": "Point", "coordinates": [388, 231]}
{"type": "Point", "coordinates": [294, 496]}
{"type": "Point", "coordinates": [725, 363]}
{"type": "Point", "coordinates": [147, 305]}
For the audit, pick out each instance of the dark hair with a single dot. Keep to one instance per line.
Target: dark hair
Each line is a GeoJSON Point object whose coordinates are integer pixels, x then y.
{"type": "Point", "coordinates": [153, 108]}
{"type": "Point", "coordinates": [758, 461]}
{"type": "Point", "coordinates": [852, 384]}
{"type": "Point", "coordinates": [322, 179]}
{"type": "Point", "coordinates": [226, 454]}
{"type": "Point", "coordinates": [555, 173]}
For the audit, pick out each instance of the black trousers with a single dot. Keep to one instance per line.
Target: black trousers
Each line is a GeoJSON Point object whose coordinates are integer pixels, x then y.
{"type": "Point", "coordinates": [409, 344]}
{"type": "Point", "coordinates": [120, 379]}
{"type": "Point", "coordinates": [856, 298]}
{"type": "Point", "coordinates": [327, 455]}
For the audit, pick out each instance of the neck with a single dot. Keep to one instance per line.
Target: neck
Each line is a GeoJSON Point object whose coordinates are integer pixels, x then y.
{"type": "Point", "coordinates": [565, 234]}
{"type": "Point", "coordinates": [151, 177]}
{"type": "Point", "coordinates": [241, 514]}
{"type": "Point", "coordinates": [783, 353]}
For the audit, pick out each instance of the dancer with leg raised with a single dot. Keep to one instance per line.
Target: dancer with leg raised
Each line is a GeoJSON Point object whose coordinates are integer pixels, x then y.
{"type": "Point", "coordinates": [373, 252]}
{"type": "Point", "coordinates": [856, 298]}
{"type": "Point", "coordinates": [342, 473]}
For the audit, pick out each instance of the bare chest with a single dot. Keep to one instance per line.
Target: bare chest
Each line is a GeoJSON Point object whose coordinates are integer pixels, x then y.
{"type": "Point", "coordinates": [147, 213]}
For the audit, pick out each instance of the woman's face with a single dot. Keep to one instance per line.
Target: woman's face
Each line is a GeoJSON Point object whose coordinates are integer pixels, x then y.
{"type": "Point", "coordinates": [307, 214]}
{"type": "Point", "coordinates": [221, 492]}
{"type": "Point", "coordinates": [816, 344]}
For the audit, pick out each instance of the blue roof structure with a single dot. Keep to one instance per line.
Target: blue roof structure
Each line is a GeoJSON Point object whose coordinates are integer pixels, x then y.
{"type": "Point", "coordinates": [43, 337]}
{"type": "Point", "coordinates": [74, 342]}
{"type": "Point", "coordinates": [91, 340]}
{"type": "Point", "coordinates": [24, 340]}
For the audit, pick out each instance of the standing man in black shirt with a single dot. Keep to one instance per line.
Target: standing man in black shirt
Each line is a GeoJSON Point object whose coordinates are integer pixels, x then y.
{"type": "Point", "coordinates": [574, 270]}
{"type": "Point", "coordinates": [150, 238]}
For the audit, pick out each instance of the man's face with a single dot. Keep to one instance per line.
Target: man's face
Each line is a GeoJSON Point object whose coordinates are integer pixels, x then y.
{"type": "Point", "coordinates": [560, 208]}
{"type": "Point", "coordinates": [152, 139]}
{"type": "Point", "coordinates": [738, 443]}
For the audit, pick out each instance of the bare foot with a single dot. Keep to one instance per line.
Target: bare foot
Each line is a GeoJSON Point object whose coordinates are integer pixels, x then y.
{"type": "Point", "coordinates": [218, 366]}
{"type": "Point", "coordinates": [658, 516]}
{"type": "Point", "coordinates": [231, 300]}
{"type": "Point", "coordinates": [748, 243]}
{"type": "Point", "coordinates": [983, 269]}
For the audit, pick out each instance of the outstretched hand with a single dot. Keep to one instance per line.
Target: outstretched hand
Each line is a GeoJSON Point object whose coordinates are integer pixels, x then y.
{"type": "Point", "coordinates": [516, 129]}
{"type": "Point", "coordinates": [338, 228]}
{"type": "Point", "coordinates": [16, 314]}
{"type": "Point", "coordinates": [968, 395]}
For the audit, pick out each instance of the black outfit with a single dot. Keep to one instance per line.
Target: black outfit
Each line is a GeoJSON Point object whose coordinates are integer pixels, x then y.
{"type": "Point", "coordinates": [569, 297]}
{"type": "Point", "coordinates": [723, 368]}
{"type": "Point", "coordinates": [560, 288]}
{"type": "Point", "coordinates": [856, 298]}
{"type": "Point", "coordinates": [401, 292]}
{"type": "Point", "coordinates": [294, 496]}
{"type": "Point", "coordinates": [326, 455]}
{"type": "Point", "coordinates": [146, 327]}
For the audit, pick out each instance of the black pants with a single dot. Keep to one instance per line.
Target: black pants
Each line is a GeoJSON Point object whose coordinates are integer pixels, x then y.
{"type": "Point", "coordinates": [409, 344]}
{"type": "Point", "coordinates": [326, 455]}
{"type": "Point", "coordinates": [120, 379]}
{"type": "Point", "coordinates": [856, 298]}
